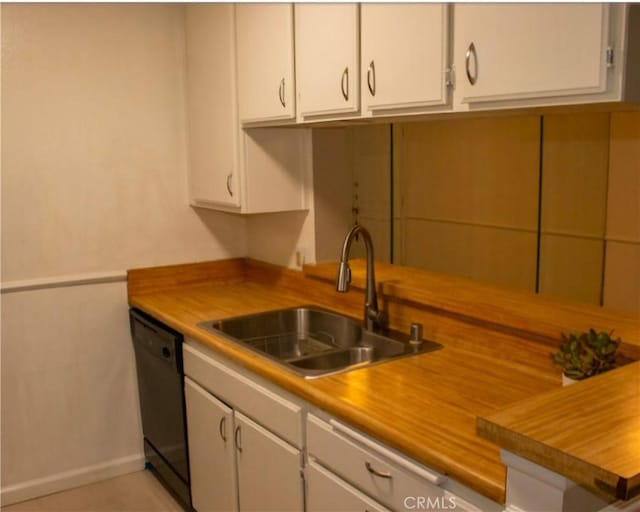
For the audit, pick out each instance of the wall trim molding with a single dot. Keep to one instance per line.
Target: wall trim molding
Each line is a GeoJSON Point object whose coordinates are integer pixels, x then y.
{"type": "Point", "coordinates": [62, 281]}
{"type": "Point", "coordinates": [70, 479]}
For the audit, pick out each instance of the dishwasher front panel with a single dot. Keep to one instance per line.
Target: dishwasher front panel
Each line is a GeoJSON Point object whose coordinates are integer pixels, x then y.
{"type": "Point", "coordinates": [158, 353]}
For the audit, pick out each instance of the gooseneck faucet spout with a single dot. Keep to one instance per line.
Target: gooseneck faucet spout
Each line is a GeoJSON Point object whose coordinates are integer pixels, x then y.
{"type": "Point", "coordinates": [373, 318]}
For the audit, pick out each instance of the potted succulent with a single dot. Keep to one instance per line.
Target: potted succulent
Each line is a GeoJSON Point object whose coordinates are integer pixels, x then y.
{"type": "Point", "coordinates": [582, 355]}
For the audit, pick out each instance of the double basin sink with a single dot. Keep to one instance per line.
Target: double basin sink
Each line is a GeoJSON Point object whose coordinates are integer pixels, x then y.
{"type": "Point", "coordinates": [314, 342]}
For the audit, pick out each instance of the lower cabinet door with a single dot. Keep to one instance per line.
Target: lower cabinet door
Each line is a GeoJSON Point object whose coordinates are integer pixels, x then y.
{"type": "Point", "coordinates": [211, 453]}
{"type": "Point", "coordinates": [269, 470]}
{"type": "Point", "coordinates": [327, 492]}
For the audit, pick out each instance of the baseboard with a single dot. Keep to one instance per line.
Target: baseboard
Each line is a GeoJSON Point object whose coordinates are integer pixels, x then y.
{"type": "Point", "coordinates": [70, 479]}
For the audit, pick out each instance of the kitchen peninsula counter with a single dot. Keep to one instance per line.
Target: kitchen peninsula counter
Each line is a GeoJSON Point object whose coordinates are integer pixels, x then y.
{"type": "Point", "coordinates": [425, 406]}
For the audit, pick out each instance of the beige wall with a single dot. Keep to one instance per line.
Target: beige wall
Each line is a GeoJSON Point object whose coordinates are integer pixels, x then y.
{"type": "Point", "coordinates": [94, 144]}
{"type": "Point", "coordinates": [93, 181]}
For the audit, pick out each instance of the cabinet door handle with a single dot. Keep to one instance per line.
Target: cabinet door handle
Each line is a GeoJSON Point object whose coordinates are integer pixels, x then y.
{"type": "Point", "coordinates": [229, 189]}
{"type": "Point", "coordinates": [471, 51]}
{"type": "Point", "coordinates": [371, 78]}
{"type": "Point", "coordinates": [237, 439]}
{"type": "Point", "coordinates": [344, 84]}
{"type": "Point", "coordinates": [375, 472]}
{"type": "Point", "coordinates": [222, 428]}
{"type": "Point", "coordinates": [281, 93]}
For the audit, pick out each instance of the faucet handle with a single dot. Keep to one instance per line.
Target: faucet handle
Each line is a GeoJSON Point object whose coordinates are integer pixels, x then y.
{"type": "Point", "coordinates": [344, 276]}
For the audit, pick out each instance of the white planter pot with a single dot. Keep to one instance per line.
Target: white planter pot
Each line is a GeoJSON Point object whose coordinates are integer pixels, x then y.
{"type": "Point", "coordinates": [567, 381]}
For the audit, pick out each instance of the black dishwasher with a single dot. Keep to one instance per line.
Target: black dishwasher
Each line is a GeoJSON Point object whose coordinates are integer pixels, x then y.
{"type": "Point", "coordinates": [158, 351]}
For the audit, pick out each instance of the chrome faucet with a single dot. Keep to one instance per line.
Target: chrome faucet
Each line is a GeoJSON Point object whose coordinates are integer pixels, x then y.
{"type": "Point", "coordinates": [373, 318]}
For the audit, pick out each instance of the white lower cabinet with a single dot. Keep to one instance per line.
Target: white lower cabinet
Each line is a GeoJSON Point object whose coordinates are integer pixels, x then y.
{"type": "Point", "coordinates": [383, 475]}
{"type": "Point", "coordinates": [269, 469]}
{"type": "Point", "coordinates": [327, 492]}
{"type": "Point", "coordinates": [235, 463]}
{"type": "Point", "coordinates": [211, 452]}
{"type": "Point", "coordinates": [350, 471]}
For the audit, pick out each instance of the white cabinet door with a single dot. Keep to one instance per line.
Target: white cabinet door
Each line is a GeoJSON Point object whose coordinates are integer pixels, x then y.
{"type": "Point", "coordinates": [404, 55]}
{"type": "Point", "coordinates": [269, 477]}
{"type": "Point", "coordinates": [327, 492]}
{"type": "Point", "coordinates": [327, 58]}
{"type": "Point", "coordinates": [512, 51]}
{"type": "Point", "coordinates": [266, 85]}
{"type": "Point", "coordinates": [213, 133]}
{"type": "Point", "coordinates": [211, 452]}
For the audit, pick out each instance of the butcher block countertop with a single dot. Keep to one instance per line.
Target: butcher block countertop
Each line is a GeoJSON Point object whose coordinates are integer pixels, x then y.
{"type": "Point", "coordinates": [495, 361]}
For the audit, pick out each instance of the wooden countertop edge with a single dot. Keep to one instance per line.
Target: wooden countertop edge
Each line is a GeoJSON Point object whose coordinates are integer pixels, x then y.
{"type": "Point", "coordinates": [505, 427]}
{"type": "Point", "coordinates": [605, 484]}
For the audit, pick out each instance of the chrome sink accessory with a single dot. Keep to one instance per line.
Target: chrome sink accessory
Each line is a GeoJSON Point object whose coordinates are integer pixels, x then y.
{"type": "Point", "coordinates": [312, 341]}
{"type": "Point", "coordinates": [373, 317]}
{"type": "Point", "coordinates": [415, 334]}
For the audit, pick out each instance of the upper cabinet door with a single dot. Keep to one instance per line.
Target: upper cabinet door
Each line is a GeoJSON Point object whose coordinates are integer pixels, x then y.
{"type": "Point", "coordinates": [266, 88]}
{"type": "Point", "coordinates": [327, 59]}
{"type": "Point", "coordinates": [513, 51]}
{"type": "Point", "coordinates": [404, 55]}
{"type": "Point", "coordinates": [213, 158]}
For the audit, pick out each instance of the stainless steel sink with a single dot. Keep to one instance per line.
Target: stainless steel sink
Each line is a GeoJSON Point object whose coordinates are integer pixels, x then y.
{"type": "Point", "coordinates": [313, 342]}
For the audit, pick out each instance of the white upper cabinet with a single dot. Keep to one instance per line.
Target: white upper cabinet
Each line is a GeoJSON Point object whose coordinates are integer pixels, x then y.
{"type": "Point", "coordinates": [327, 59]}
{"type": "Point", "coordinates": [519, 51]}
{"type": "Point", "coordinates": [404, 56]}
{"type": "Point", "coordinates": [265, 60]}
{"type": "Point", "coordinates": [213, 125]}
{"type": "Point", "coordinates": [256, 170]}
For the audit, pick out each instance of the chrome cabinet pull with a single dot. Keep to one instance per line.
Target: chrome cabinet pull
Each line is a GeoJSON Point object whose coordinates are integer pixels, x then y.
{"type": "Point", "coordinates": [229, 184]}
{"type": "Point", "coordinates": [375, 472]}
{"type": "Point", "coordinates": [371, 78]}
{"type": "Point", "coordinates": [222, 428]}
{"type": "Point", "coordinates": [237, 439]}
{"type": "Point", "coordinates": [281, 93]}
{"type": "Point", "coordinates": [471, 51]}
{"type": "Point", "coordinates": [344, 84]}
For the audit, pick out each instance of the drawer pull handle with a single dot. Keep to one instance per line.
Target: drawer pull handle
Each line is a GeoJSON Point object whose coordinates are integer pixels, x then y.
{"type": "Point", "coordinates": [375, 472]}
{"type": "Point", "coordinates": [222, 428]}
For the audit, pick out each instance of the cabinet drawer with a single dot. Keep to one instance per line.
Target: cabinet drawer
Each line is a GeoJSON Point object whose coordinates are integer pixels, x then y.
{"type": "Point", "coordinates": [375, 470]}
{"type": "Point", "coordinates": [325, 491]}
{"type": "Point", "coordinates": [277, 414]}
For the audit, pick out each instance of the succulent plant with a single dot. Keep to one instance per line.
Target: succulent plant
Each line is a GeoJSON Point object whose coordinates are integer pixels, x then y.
{"type": "Point", "coordinates": [582, 355]}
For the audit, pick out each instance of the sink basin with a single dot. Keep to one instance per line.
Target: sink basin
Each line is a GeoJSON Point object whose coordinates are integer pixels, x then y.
{"type": "Point", "coordinates": [313, 342]}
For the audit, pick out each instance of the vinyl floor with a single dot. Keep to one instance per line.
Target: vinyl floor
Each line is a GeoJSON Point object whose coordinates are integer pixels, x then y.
{"type": "Point", "coordinates": [135, 492]}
